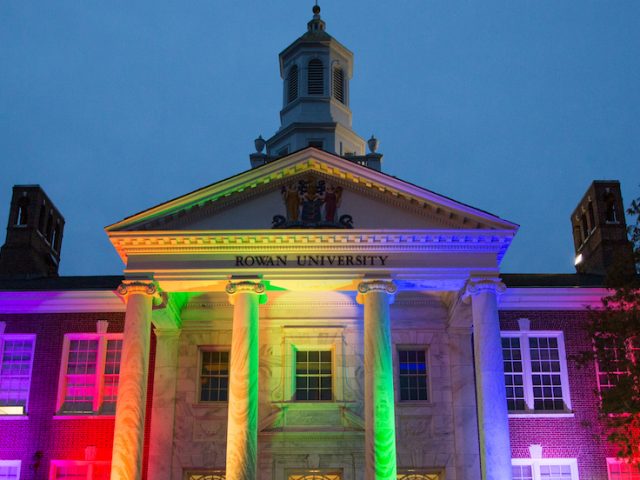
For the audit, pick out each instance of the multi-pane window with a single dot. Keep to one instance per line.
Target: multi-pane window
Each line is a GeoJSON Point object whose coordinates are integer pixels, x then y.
{"type": "Point", "coordinates": [545, 469]}
{"type": "Point", "coordinates": [412, 367]}
{"type": "Point", "coordinates": [614, 357]}
{"type": "Point", "coordinates": [522, 472]}
{"type": "Point", "coordinates": [555, 472]}
{"type": "Point", "coordinates": [214, 376]}
{"type": "Point", "coordinates": [79, 470]}
{"type": "Point", "coordinates": [90, 374]}
{"type": "Point", "coordinates": [618, 470]}
{"type": "Point", "coordinates": [9, 469]}
{"type": "Point", "coordinates": [545, 373]}
{"type": "Point", "coordinates": [535, 371]}
{"type": "Point", "coordinates": [313, 375]}
{"type": "Point", "coordinates": [513, 373]}
{"type": "Point", "coordinates": [16, 361]}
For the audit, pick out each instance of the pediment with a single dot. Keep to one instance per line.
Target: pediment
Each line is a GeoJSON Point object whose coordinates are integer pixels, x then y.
{"type": "Point", "coordinates": [311, 189]}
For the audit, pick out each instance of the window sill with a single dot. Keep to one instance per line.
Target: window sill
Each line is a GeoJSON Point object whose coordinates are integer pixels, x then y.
{"type": "Point", "coordinates": [223, 404]}
{"type": "Point", "coordinates": [88, 416]}
{"type": "Point", "coordinates": [414, 403]}
{"type": "Point", "coordinates": [14, 417]}
{"type": "Point", "coordinates": [542, 415]}
{"type": "Point", "coordinates": [311, 404]}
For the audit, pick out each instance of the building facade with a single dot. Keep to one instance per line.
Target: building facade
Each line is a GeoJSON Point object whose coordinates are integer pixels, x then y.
{"type": "Point", "coordinates": [310, 318]}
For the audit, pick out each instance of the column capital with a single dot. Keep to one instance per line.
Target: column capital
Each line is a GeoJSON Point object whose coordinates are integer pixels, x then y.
{"type": "Point", "coordinates": [146, 287]}
{"type": "Point", "coordinates": [386, 286]}
{"type": "Point", "coordinates": [246, 286]}
{"type": "Point", "coordinates": [476, 285]}
{"type": "Point", "coordinates": [376, 285]}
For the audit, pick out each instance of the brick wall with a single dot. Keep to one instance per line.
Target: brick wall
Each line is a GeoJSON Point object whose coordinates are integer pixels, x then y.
{"type": "Point", "coordinates": [57, 438]}
{"type": "Point", "coordinates": [582, 436]}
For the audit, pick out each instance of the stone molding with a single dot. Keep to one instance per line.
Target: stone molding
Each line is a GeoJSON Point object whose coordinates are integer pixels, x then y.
{"type": "Point", "coordinates": [131, 287]}
{"type": "Point", "coordinates": [483, 284]}
{"type": "Point", "coordinates": [478, 241]}
{"type": "Point", "coordinates": [386, 286]}
{"type": "Point", "coordinates": [245, 286]}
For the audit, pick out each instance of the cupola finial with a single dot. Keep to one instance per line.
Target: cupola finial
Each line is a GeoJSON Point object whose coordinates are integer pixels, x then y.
{"type": "Point", "coordinates": [316, 24]}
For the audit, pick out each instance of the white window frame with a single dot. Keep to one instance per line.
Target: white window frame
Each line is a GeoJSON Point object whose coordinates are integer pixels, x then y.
{"type": "Point", "coordinates": [524, 336]}
{"type": "Point", "coordinates": [102, 338]}
{"type": "Point", "coordinates": [617, 461]}
{"type": "Point", "coordinates": [11, 409]}
{"type": "Point", "coordinates": [90, 464]}
{"type": "Point", "coordinates": [12, 463]}
{"type": "Point", "coordinates": [536, 463]}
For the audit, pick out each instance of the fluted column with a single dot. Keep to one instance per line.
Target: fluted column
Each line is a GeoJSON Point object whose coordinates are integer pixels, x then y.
{"type": "Point", "coordinates": [493, 419]}
{"type": "Point", "coordinates": [242, 426]}
{"type": "Point", "coordinates": [128, 437]}
{"type": "Point", "coordinates": [164, 403]}
{"type": "Point", "coordinates": [379, 401]}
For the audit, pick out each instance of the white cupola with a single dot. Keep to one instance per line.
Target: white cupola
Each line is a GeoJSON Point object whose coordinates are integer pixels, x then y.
{"type": "Point", "coordinates": [316, 70]}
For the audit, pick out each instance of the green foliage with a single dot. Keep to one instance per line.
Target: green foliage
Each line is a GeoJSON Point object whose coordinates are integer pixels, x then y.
{"type": "Point", "coordinates": [615, 330]}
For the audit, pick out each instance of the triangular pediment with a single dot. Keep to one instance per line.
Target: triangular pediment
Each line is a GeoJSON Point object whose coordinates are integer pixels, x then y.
{"type": "Point", "coordinates": [311, 189]}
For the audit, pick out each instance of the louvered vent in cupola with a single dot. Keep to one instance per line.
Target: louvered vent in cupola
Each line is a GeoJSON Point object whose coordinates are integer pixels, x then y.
{"type": "Point", "coordinates": [315, 78]}
{"type": "Point", "coordinates": [292, 84]}
{"type": "Point", "coordinates": [338, 84]}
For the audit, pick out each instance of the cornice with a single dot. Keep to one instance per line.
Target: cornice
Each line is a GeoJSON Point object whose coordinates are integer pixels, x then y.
{"type": "Point", "coordinates": [552, 298]}
{"type": "Point", "coordinates": [61, 302]}
{"type": "Point", "coordinates": [302, 241]}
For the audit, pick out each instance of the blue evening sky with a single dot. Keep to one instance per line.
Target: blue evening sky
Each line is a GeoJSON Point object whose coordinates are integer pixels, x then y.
{"type": "Point", "coordinates": [513, 107]}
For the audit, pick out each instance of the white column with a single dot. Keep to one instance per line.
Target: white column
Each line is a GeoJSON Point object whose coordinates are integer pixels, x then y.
{"type": "Point", "coordinates": [379, 400]}
{"type": "Point", "coordinates": [128, 437]}
{"type": "Point", "coordinates": [164, 403]}
{"type": "Point", "coordinates": [242, 426]}
{"type": "Point", "coordinates": [493, 419]}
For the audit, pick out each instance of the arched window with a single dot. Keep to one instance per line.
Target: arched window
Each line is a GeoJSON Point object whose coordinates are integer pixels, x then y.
{"type": "Point", "coordinates": [338, 84]}
{"type": "Point", "coordinates": [315, 80]}
{"type": "Point", "coordinates": [611, 212]}
{"type": "Point", "coordinates": [49, 233]}
{"type": "Point", "coordinates": [292, 84]}
{"type": "Point", "coordinates": [592, 217]}
{"type": "Point", "coordinates": [23, 212]}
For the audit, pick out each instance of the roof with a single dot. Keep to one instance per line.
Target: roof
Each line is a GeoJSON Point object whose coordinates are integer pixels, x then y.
{"type": "Point", "coordinates": [550, 280]}
{"type": "Point", "coordinates": [74, 283]}
{"type": "Point", "coordinates": [111, 282]}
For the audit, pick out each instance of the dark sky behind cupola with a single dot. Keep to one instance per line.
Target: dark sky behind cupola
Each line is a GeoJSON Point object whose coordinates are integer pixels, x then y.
{"type": "Point", "coordinates": [512, 107]}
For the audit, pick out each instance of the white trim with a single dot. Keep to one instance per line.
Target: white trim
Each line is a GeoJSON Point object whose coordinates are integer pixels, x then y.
{"type": "Point", "coordinates": [538, 462]}
{"type": "Point", "coordinates": [12, 337]}
{"type": "Point", "coordinates": [55, 464]}
{"type": "Point", "coordinates": [101, 353]}
{"type": "Point", "coordinates": [61, 301]}
{"type": "Point", "coordinates": [12, 463]}
{"type": "Point", "coordinates": [542, 415]}
{"type": "Point", "coordinates": [548, 298]}
{"type": "Point", "coordinates": [524, 336]}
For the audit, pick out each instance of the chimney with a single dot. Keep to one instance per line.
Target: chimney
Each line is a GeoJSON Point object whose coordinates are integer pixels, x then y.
{"type": "Point", "coordinates": [600, 231]}
{"type": "Point", "coordinates": [34, 235]}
